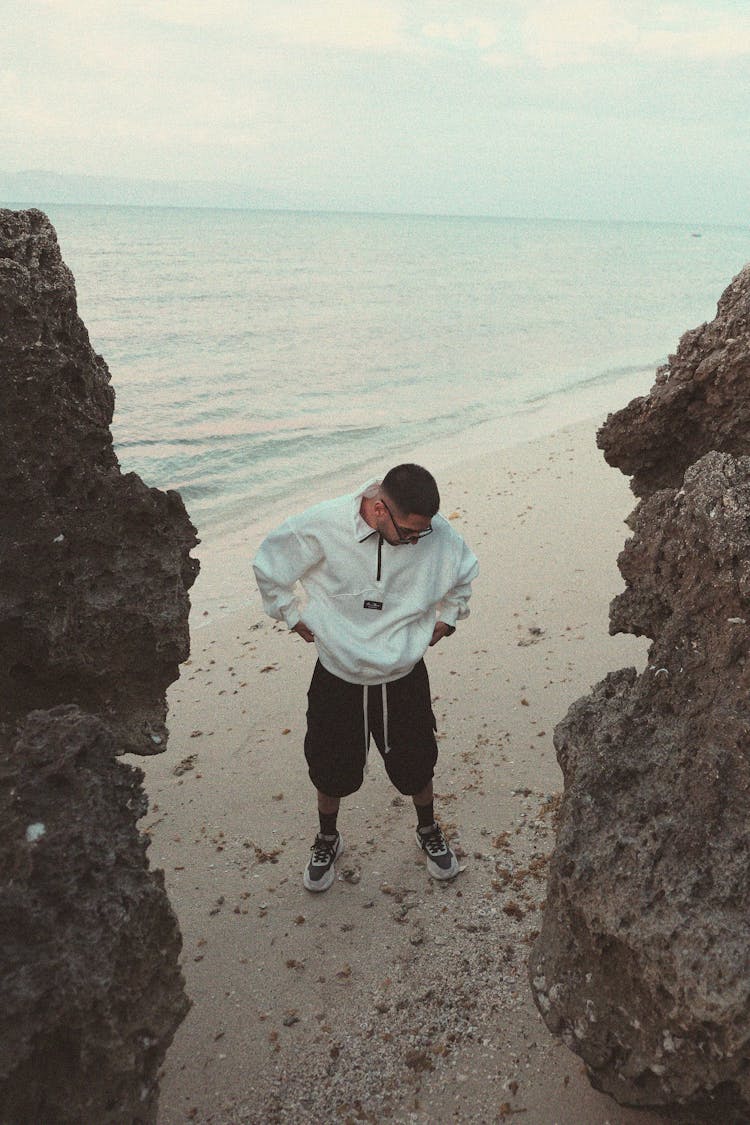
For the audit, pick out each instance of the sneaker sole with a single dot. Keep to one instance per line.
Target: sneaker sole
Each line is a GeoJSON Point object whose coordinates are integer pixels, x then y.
{"type": "Point", "coordinates": [433, 869]}
{"type": "Point", "coordinates": [327, 880]}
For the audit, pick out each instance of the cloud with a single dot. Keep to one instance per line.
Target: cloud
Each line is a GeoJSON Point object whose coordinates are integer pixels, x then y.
{"type": "Point", "coordinates": [382, 103]}
{"type": "Point", "coordinates": [469, 32]}
{"type": "Point", "coordinates": [192, 13]}
{"type": "Point", "coordinates": [355, 26]}
{"type": "Point", "coordinates": [563, 33]}
{"type": "Point", "coordinates": [573, 32]}
{"type": "Point", "coordinates": [697, 38]}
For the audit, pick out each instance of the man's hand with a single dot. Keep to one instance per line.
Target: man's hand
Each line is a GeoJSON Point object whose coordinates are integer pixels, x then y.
{"type": "Point", "coordinates": [441, 630]}
{"type": "Point", "coordinates": [304, 632]}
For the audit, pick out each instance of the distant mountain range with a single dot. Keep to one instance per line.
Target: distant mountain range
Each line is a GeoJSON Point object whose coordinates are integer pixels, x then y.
{"type": "Point", "coordinates": [35, 188]}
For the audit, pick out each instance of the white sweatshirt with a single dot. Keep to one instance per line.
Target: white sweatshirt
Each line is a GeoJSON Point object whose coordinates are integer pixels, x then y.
{"type": "Point", "coordinates": [369, 628]}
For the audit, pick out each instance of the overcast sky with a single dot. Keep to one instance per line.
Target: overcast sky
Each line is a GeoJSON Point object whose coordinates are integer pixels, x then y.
{"type": "Point", "coordinates": [555, 108]}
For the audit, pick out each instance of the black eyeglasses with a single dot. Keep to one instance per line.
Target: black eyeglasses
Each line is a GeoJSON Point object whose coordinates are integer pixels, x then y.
{"type": "Point", "coordinates": [406, 534]}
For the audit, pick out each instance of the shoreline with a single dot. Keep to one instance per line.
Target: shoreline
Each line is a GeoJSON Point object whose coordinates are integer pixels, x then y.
{"type": "Point", "coordinates": [224, 552]}
{"type": "Point", "coordinates": [390, 995]}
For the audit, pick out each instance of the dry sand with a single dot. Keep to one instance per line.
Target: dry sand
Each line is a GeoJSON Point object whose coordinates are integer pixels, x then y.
{"type": "Point", "coordinates": [391, 997]}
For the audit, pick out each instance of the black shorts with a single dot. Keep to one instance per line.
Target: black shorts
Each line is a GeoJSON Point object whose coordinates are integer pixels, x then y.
{"type": "Point", "coordinates": [342, 716]}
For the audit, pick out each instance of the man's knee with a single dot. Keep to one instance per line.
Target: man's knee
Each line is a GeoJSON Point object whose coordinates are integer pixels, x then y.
{"type": "Point", "coordinates": [409, 779]}
{"type": "Point", "coordinates": [334, 784]}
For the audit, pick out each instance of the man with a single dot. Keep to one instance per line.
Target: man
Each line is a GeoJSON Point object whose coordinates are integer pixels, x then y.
{"type": "Point", "coordinates": [386, 577]}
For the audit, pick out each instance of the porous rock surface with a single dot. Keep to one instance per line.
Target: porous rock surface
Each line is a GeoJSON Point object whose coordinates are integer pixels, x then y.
{"type": "Point", "coordinates": [642, 965]}
{"type": "Point", "coordinates": [95, 564]}
{"type": "Point", "coordinates": [91, 991]}
{"type": "Point", "coordinates": [699, 402]}
{"type": "Point", "coordinates": [93, 625]}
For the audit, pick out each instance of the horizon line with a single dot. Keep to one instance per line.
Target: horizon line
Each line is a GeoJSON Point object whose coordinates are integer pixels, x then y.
{"type": "Point", "coordinates": [361, 213]}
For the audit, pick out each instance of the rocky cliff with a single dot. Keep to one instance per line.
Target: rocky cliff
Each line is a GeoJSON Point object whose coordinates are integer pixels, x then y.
{"type": "Point", "coordinates": [643, 962]}
{"type": "Point", "coordinates": [93, 626]}
{"type": "Point", "coordinates": [699, 402]}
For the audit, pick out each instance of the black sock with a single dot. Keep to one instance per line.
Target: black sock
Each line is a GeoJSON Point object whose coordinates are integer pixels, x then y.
{"type": "Point", "coordinates": [425, 815]}
{"type": "Point", "coordinates": [327, 823]}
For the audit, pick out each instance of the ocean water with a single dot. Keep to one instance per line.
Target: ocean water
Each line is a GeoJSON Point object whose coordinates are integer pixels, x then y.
{"type": "Point", "coordinates": [255, 355]}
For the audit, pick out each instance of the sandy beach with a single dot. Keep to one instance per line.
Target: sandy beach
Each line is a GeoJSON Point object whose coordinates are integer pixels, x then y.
{"type": "Point", "coordinates": [391, 997]}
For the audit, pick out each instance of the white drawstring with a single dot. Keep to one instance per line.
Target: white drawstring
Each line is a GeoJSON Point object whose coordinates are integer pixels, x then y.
{"type": "Point", "coordinates": [366, 718]}
{"type": "Point", "coordinates": [385, 720]}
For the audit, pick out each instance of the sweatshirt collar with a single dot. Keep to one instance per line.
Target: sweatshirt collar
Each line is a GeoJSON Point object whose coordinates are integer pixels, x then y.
{"type": "Point", "coordinates": [362, 529]}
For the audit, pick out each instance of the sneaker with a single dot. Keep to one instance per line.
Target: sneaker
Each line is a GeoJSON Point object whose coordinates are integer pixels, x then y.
{"type": "Point", "coordinates": [320, 872]}
{"type": "Point", "coordinates": [441, 860]}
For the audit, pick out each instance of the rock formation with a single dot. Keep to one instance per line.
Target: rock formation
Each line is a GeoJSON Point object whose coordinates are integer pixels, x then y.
{"type": "Point", "coordinates": [643, 962]}
{"type": "Point", "coordinates": [699, 402]}
{"type": "Point", "coordinates": [93, 626]}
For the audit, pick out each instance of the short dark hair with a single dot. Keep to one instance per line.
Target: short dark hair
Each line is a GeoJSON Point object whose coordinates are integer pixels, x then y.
{"type": "Point", "coordinates": [413, 490]}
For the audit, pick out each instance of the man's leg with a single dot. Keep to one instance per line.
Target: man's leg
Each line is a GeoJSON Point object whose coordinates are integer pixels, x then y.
{"type": "Point", "coordinates": [328, 810]}
{"type": "Point", "coordinates": [335, 732]}
{"type": "Point", "coordinates": [320, 873]}
{"type": "Point", "coordinates": [441, 859]}
{"type": "Point", "coordinates": [410, 761]}
{"type": "Point", "coordinates": [423, 803]}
